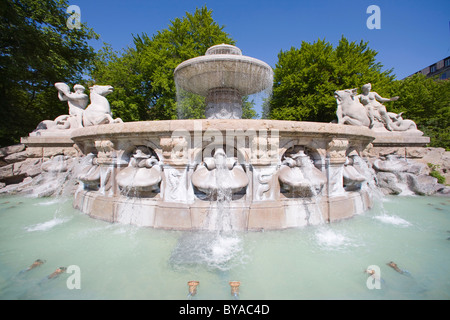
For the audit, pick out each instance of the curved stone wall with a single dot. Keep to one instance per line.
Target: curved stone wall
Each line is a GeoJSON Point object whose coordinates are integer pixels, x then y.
{"type": "Point", "coordinates": [263, 150]}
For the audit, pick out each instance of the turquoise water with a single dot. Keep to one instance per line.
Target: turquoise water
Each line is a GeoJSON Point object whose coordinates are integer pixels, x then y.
{"type": "Point", "coordinates": [315, 262]}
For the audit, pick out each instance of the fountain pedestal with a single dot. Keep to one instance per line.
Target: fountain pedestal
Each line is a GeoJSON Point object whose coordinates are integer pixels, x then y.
{"type": "Point", "coordinates": [223, 103]}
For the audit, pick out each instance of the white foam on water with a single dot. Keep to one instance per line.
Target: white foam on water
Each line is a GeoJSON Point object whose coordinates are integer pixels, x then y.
{"type": "Point", "coordinates": [44, 226]}
{"type": "Point", "coordinates": [332, 239]}
{"type": "Point", "coordinates": [405, 190]}
{"type": "Point", "coordinates": [222, 250]}
{"type": "Point", "coordinates": [50, 202]}
{"type": "Point", "coordinates": [212, 250]}
{"type": "Point", "coordinates": [392, 219]}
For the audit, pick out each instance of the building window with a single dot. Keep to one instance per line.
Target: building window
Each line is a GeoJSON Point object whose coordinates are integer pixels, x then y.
{"type": "Point", "coordinates": [433, 68]}
{"type": "Point", "coordinates": [447, 62]}
{"type": "Point", "coordinates": [443, 76]}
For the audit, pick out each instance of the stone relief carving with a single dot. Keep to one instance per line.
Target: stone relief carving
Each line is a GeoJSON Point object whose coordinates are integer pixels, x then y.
{"type": "Point", "coordinates": [298, 174]}
{"type": "Point", "coordinates": [106, 150]}
{"type": "Point", "coordinates": [142, 175]}
{"type": "Point", "coordinates": [219, 172]}
{"type": "Point", "coordinates": [352, 175]}
{"type": "Point", "coordinates": [89, 173]}
{"type": "Point", "coordinates": [174, 148]}
{"type": "Point", "coordinates": [223, 103]}
{"type": "Point", "coordinates": [264, 184]}
{"type": "Point", "coordinates": [336, 150]}
{"type": "Point", "coordinates": [264, 148]}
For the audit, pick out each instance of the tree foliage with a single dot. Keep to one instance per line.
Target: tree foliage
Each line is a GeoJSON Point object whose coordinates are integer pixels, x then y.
{"type": "Point", "coordinates": [37, 49]}
{"type": "Point", "coordinates": [427, 102]}
{"type": "Point", "coordinates": [306, 78]}
{"type": "Point", "coordinates": [143, 76]}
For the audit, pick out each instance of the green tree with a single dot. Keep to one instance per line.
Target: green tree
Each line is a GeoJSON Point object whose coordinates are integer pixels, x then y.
{"type": "Point", "coordinates": [142, 76]}
{"type": "Point", "coordinates": [426, 101]}
{"type": "Point", "coordinates": [306, 78]}
{"type": "Point", "coordinates": [37, 49]}
{"type": "Point", "coordinates": [128, 100]}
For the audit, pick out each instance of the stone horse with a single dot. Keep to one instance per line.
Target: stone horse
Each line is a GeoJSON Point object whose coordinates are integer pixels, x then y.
{"type": "Point", "coordinates": [99, 111]}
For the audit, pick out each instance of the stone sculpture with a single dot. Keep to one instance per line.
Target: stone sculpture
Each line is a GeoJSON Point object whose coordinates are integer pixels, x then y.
{"type": "Point", "coordinates": [223, 76]}
{"type": "Point", "coordinates": [98, 112]}
{"type": "Point", "coordinates": [366, 110]}
{"type": "Point", "coordinates": [143, 173]}
{"type": "Point", "coordinates": [89, 172]}
{"type": "Point", "coordinates": [352, 175]}
{"type": "Point", "coordinates": [400, 124]}
{"type": "Point", "coordinates": [219, 172]}
{"type": "Point", "coordinates": [77, 100]}
{"type": "Point", "coordinates": [375, 110]}
{"type": "Point", "coordinates": [299, 175]}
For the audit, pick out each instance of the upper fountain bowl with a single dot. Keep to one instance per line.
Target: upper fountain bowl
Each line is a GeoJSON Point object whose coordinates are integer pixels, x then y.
{"type": "Point", "coordinates": [223, 66]}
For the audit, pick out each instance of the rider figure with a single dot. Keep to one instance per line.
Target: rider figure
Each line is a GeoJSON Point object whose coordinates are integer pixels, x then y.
{"type": "Point", "coordinates": [371, 100]}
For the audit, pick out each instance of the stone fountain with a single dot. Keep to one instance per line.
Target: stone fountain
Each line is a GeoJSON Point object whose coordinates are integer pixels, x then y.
{"type": "Point", "coordinates": [277, 174]}
{"type": "Point", "coordinates": [223, 75]}
{"type": "Point", "coordinates": [264, 174]}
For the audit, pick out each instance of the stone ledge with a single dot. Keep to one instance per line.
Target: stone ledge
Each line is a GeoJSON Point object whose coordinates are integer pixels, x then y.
{"type": "Point", "coordinates": [399, 139]}
{"type": "Point", "coordinates": [34, 141]}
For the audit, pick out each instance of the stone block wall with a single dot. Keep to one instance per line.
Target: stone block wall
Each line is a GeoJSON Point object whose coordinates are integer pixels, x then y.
{"type": "Point", "coordinates": [22, 165]}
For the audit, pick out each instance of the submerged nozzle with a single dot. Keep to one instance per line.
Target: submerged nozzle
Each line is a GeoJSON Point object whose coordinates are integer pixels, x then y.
{"type": "Point", "coordinates": [235, 288]}
{"type": "Point", "coordinates": [193, 287]}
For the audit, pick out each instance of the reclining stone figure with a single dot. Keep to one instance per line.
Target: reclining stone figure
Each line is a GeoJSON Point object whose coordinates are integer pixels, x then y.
{"type": "Point", "coordinates": [366, 110]}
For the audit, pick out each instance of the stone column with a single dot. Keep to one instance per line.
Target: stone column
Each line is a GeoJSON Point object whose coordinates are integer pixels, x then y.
{"type": "Point", "coordinates": [336, 157]}
{"type": "Point", "coordinates": [265, 162]}
{"type": "Point", "coordinates": [107, 159]}
{"type": "Point", "coordinates": [176, 170]}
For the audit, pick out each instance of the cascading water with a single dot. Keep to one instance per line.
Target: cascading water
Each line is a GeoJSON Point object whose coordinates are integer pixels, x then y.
{"type": "Point", "coordinates": [220, 80]}
{"type": "Point", "coordinates": [370, 184]}
{"type": "Point", "coordinates": [217, 245]}
{"type": "Point", "coordinates": [126, 213]}
{"type": "Point", "coordinates": [56, 173]}
{"type": "Point", "coordinates": [57, 180]}
{"type": "Point", "coordinates": [219, 218]}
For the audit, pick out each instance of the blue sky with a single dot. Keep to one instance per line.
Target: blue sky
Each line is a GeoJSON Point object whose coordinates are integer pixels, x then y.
{"type": "Point", "coordinates": [413, 34]}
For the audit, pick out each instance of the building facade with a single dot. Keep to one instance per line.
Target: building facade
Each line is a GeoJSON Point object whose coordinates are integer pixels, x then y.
{"type": "Point", "coordinates": [440, 69]}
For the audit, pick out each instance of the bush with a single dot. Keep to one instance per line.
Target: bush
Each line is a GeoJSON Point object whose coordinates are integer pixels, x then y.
{"type": "Point", "coordinates": [435, 173]}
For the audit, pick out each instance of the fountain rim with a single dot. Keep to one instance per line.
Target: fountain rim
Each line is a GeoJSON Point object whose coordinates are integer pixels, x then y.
{"type": "Point", "coordinates": [285, 127]}
{"type": "Point", "coordinates": [221, 57]}
{"type": "Point", "coordinates": [211, 61]}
